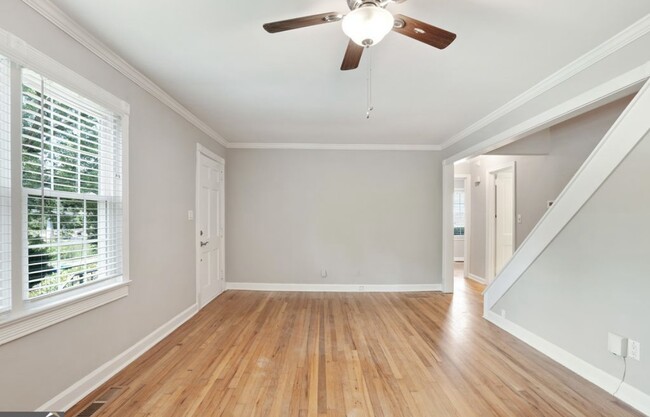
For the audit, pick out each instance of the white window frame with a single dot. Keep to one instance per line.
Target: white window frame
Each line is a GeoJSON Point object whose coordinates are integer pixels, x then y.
{"type": "Point", "coordinates": [462, 191]}
{"type": "Point", "coordinates": [28, 316]}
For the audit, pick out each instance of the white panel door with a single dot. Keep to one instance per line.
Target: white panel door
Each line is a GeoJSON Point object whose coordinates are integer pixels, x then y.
{"type": "Point", "coordinates": [210, 230]}
{"type": "Point", "coordinates": [504, 219]}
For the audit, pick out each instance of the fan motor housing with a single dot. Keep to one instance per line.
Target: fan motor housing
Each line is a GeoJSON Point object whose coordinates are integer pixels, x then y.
{"type": "Point", "coordinates": [354, 4]}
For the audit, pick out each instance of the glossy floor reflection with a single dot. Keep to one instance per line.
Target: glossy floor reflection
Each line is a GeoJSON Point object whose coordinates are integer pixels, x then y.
{"type": "Point", "coordinates": [350, 354]}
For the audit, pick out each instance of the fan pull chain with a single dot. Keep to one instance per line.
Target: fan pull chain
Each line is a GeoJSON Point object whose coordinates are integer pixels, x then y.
{"type": "Point", "coordinates": [369, 83]}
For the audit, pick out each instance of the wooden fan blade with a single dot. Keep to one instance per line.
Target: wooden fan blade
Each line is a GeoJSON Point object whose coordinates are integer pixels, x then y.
{"type": "Point", "coordinates": [352, 56]}
{"type": "Point", "coordinates": [301, 22]}
{"type": "Point", "coordinates": [423, 32]}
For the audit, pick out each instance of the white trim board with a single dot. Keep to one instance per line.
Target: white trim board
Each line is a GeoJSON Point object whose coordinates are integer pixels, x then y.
{"type": "Point", "coordinates": [55, 15]}
{"type": "Point", "coordinates": [598, 377]}
{"type": "Point", "coordinates": [52, 13]}
{"type": "Point", "coordinates": [630, 128]}
{"type": "Point", "coordinates": [618, 41]}
{"type": "Point", "coordinates": [334, 146]}
{"type": "Point", "coordinates": [490, 216]}
{"type": "Point", "coordinates": [253, 286]}
{"type": "Point", "coordinates": [611, 90]}
{"type": "Point", "coordinates": [476, 278]}
{"type": "Point", "coordinates": [22, 53]}
{"type": "Point", "coordinates": [77, 391]}
{"type": "Point", "coordinates": [51, 314]}
{"type": "Point", "coordinates": [618, 87]}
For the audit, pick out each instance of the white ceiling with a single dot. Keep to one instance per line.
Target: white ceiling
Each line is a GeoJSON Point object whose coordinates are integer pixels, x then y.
{"type": "Point", "coordinates": [251, 86]}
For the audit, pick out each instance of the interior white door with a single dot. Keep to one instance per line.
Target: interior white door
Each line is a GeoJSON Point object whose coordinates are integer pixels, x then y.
{"type": "Point", "coordinates": [210, 230]}
{"type": "Point", "coordinates": [504, 190]}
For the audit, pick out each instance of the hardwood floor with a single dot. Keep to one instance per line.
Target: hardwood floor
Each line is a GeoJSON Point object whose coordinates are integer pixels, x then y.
{"type": "Point", "coordinates": [349, 354]}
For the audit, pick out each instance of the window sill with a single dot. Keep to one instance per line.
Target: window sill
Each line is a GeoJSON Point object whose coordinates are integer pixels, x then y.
{"type": "Point", "coordinates": [15, 327]}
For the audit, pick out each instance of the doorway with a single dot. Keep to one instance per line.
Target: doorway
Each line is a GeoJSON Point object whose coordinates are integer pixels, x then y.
{"type": "Point", "coordinates": [501, 222]}
{"type": "Point", "coordinates": [461, 218]}
{"type": "Point", "coordinates": [210, 236]}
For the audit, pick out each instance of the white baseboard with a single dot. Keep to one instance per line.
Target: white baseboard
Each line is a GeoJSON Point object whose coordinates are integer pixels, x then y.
{"type": "Point", "coordinates": [93, 380]}
{"type": "Point", "coordinates": [478, 279]}
{"type": "Point", "coordinates": [598, 377]}
{"type": "Point", "coordinates": [252, 286]}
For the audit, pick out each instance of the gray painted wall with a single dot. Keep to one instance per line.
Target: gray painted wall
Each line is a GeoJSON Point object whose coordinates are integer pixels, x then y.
{"type": "Point", "coordinates": [540, 178]}
{"type": "Point", "coordinates": [368, 217]}
{"type": "Point", "coordinates": [162, 149]}
{"type": "Point", "coordinates": [593, 280]}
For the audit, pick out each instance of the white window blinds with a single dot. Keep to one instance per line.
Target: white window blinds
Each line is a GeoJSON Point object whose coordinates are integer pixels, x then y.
{"type": "Point", "coordinates": [71, 174]}
{"type": "Point", "coordinates": [5, 186]}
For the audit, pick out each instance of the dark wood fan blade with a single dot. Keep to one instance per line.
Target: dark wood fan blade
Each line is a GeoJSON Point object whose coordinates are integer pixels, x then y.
{"type": "Point", "coordinates": [301, 22]}
{"type": "Point", "coordinates": [352, 56]}
{"type": "Point", "coordinates": [423, 32]}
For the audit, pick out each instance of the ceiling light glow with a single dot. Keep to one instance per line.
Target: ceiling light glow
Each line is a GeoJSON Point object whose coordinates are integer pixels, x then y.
{"type": "Point", "coordinates": [368, 25]}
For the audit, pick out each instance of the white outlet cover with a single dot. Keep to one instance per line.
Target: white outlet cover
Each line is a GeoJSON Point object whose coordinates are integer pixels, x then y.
{"type": "Point", "coordinates": [634, 349]}
{"type": "Point", "coordinates": [617, 344]}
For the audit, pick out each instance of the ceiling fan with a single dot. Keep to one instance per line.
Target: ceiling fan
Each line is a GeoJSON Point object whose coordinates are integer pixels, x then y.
{"type": "Point", "coordinates": [366, 25]}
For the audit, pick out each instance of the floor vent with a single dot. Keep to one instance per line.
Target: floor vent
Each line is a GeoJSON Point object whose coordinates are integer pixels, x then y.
{"type": "Point", "coordinates": [99, 402]}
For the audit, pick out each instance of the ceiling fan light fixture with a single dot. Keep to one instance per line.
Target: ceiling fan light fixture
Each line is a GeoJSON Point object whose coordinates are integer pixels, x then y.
{"type": "Point", "coordinates": [367, 25]}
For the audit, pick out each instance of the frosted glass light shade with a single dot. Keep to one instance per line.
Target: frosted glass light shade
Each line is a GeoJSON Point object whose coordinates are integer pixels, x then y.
{"type": "Point", "coordinates": [368, 25]}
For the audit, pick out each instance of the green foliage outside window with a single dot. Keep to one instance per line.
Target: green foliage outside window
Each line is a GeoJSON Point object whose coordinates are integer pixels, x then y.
{"type": "Point", "coordinates": [59, 154]}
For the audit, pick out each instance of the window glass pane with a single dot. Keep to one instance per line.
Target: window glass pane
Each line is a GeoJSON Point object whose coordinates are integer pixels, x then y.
{"type": "Point", "coordinates": [5, 186]}
{"type": "Point", "coordinates": [72, 175]}
{"type": "Point", "coordinates": [459, 212]}
{"type": "Point", "coordinates": [63, 243]}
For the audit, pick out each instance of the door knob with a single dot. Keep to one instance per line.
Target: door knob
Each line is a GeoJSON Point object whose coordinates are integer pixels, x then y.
{"type": "Point", "coordinates": [204, 243]}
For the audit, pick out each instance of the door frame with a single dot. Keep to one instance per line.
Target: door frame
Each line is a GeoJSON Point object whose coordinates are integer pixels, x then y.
{"type": "Point", "coordinates": [203, 151]}
{"type": "Point", "coordinates": [618, 86]}
{"type": "Point", "coordinates": [468, 219]}
{"type": "Point", "coordinates": [490, 236]}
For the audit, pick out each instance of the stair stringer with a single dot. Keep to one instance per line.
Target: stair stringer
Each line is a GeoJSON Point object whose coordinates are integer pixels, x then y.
{"type": "Point", "coordinates": [623, 136]}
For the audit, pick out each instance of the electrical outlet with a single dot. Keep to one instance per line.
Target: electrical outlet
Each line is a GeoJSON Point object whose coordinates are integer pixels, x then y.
{"type": "Point", "coordinates": [503, 313]}
{"type": "Point", "coordinates": [323, 273]}
{"type": "Point", "coordinates": [634, 350]}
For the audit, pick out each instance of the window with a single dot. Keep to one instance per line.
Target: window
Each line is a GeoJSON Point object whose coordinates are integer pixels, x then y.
{"type": "Point", "coordinates": [459, 212]}
{"type": "Point", "coordinates": [5, 187]}
{"type": "Point", "coordinates": [72, 189]}
{"type": "Point", "coordinates": [66, 252]}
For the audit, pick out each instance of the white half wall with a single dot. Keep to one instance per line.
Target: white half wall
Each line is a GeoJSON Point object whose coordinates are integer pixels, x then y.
{"type": "Point", "coordinates": [367, 217]}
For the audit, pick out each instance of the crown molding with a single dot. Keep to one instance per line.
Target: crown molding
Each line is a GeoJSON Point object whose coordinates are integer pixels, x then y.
{"type": "Point", "coordinates": [612, 45]}
{"type": "Point", "coordinates": [55, 15]}
{"type": "Point", "coordinates": [629, 129]}
{"type": "Point", "coordinates": [64, 22]}
{"type": "Point", "coordinates": [334, 146]}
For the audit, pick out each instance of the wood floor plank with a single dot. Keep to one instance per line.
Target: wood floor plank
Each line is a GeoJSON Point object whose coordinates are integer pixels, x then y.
{"type": "Point", "coordinates": [349, 355]}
